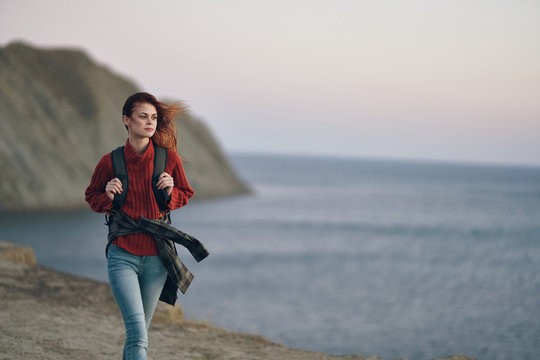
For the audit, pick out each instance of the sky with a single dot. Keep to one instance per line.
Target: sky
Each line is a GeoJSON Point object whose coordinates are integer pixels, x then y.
{"type": "Point", "coordinates": [432, 80]}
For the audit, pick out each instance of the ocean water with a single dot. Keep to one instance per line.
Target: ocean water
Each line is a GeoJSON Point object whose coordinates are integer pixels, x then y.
{"type": "Point", "coordinates": [393, 259]}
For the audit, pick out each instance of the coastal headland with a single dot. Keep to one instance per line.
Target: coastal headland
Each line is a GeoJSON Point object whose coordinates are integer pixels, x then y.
{"type": "Point", "coordinates": [61, 112]}
{"type": "Point", "coordinates": [47, 314]}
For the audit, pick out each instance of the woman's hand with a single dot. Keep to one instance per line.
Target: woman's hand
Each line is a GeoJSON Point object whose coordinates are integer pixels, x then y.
{"type": "Point", "coordinates": [113, 187]}
{"type": "Point", "coordinates": [165, 181]}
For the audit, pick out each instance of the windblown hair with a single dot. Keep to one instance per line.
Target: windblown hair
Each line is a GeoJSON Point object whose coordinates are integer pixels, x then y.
{"type": "Point", "coordinates": [165, 135]}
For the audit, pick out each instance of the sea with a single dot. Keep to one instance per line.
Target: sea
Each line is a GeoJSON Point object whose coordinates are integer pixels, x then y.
{"type": "Point", "coordinates": [397, 259]}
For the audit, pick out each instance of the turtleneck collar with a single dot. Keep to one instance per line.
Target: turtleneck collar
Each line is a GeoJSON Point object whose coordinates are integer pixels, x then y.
{"type": "Point", "coordinates": [131, 153]}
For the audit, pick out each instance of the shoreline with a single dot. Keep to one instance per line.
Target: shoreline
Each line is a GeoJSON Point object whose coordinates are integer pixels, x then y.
{"type": "Point", "coordinates": [48, 314]}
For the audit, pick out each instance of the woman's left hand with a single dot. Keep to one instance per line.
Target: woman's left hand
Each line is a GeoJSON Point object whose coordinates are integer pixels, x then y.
{"type": "Point", "coordinates": [165, 181]}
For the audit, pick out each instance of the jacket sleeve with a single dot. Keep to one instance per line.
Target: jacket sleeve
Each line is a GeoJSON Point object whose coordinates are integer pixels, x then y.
{"type": "Point", "coordinates": [181, 192]}
{"type": "Point", "coordinates": [95, 194]}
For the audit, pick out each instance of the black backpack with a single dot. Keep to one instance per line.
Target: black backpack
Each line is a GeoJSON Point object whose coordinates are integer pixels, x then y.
{"type": "Point", "coordinates": [119, 166]}
{"type": "Point", "coordinates": [161, 196]}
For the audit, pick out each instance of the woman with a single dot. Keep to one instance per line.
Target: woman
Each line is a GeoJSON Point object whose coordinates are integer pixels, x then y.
{"type": "Point", "coordinates": [137, 274]}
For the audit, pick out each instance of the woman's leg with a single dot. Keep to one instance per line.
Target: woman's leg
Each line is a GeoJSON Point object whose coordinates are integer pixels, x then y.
{"type": "Point", "coordinates": [151, 280]}
{"type": "Point", "coordinates": [123, 269]}
{"type": "Point", "coordinates": [136, 282]}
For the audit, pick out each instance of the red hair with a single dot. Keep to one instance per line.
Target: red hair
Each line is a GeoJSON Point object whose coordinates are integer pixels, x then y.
{"type": "Point", "coordinates": [165, 135]}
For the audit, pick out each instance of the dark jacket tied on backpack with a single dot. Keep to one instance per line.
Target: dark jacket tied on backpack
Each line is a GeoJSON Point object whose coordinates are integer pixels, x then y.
{"type": "Point", "coordinates": [179, 277]}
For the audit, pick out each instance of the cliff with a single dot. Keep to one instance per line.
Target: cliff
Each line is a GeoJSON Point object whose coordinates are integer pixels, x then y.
{"type": "Point", "coordinates": [46, 314]}
{"type": "Point", "coordinates": [61, 111]}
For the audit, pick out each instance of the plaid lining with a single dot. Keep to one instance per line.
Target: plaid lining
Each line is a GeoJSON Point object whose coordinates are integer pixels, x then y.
{"type": "Point", "coordinates": [120, 224]}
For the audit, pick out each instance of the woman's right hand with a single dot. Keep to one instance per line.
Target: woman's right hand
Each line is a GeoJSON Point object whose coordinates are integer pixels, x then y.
{"type": "Point", "coordinates": [113, 187]}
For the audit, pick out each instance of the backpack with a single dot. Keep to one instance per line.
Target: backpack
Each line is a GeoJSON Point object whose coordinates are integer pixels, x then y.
{"type": "Point", "coordinates": [119, 166]}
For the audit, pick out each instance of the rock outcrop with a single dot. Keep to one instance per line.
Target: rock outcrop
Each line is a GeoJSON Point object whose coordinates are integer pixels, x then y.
{"type": "Point", "coordinates": [60, 112]}
{"type": "Point", "coordinates": [18, 254]}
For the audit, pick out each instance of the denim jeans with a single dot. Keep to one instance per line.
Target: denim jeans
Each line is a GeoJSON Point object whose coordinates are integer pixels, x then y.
{"type": "Point", "coordinates": [136, 282]}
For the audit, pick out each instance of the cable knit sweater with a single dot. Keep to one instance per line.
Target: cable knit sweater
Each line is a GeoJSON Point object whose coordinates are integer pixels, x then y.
{"type": "Point", "coordinates": [140, 199]}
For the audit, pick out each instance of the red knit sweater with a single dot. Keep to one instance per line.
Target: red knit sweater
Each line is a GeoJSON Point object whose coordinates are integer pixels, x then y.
{"type": "Point", "coordinates": [140, 199]}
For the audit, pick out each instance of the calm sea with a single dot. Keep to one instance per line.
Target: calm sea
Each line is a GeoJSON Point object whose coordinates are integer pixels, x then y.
{"type": "Point", "coordinates": [394, 259]}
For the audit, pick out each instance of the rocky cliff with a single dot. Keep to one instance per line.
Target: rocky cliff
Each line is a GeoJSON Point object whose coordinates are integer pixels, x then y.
{"type": "Point", "coordinates": [60, 112]}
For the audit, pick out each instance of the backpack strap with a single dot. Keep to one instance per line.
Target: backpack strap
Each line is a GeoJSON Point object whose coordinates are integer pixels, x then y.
{"type": "Point", "coordinates": [160, 162]}
{"type": "Point", "coordinates": [119, 167]}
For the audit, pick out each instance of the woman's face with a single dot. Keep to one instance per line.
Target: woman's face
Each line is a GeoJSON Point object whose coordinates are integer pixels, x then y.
{"type": "Point", "coordinates": [143, 120]}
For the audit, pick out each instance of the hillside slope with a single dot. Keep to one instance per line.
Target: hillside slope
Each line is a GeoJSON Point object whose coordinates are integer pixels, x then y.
{"type": "Point", "coordinates": [60, 112]}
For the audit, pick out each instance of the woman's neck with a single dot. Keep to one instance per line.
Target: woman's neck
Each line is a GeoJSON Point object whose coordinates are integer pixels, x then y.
{"type": "Point", "coordinates": [139, 144]}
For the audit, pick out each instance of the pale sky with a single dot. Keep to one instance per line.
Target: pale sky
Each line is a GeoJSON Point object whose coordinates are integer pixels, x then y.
{"type": "Point", "coordinates": [417, 79]}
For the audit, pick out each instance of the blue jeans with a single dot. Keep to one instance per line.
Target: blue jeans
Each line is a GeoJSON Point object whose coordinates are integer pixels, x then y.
{"type": "Point", "coordinates": [136, 282]}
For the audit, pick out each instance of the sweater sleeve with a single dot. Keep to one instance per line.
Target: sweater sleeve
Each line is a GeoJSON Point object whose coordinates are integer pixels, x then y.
{"type": "Point", "coordinates": [181, 192]}
{"type": "Point", "coordinates": [95, 194]}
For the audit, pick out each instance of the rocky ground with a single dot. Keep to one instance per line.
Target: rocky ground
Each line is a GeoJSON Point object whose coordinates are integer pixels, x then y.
{"type": "Point", "coordinates": [46, 314]}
